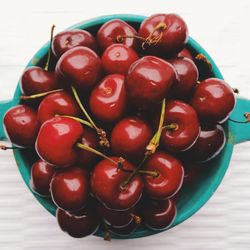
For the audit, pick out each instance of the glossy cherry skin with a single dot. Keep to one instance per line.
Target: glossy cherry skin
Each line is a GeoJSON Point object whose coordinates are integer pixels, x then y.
{"type": "Point", "coordinates": [41, 176]}
{"type": "Point", "coordinates": [108, 99]}
{"type": "Point", "coordinates": [149, 80]}
{"type": "Point", "coordinates": [186, 53]}
{"type": "Point", "coordinates": [35, 80]}
{"type": "Point", "coordinates": [89, 138]}
{"type": "Point", "coordinates": [59, 103]}
{"type": "Point", "coordinates": [70, 189]}
{"type": "Point", "coordinates": [80, 224]}
{"type": "Point", "coordinates": [213, 100]}
{"type": "Point", "coordinates": [80, 67]}
{"type": "Point", "coordinates": [21, 125]}
{"type": "Point", "coordinates": [209, 144]}
{"type": "Point", "coordinates": [187, 77]}
{"type": "Point", "coordinates": [56, 141]}
{"type": "Point", "coordinates": [174, 36]}
{"type": "Point", "coordinates": [187, 126]}
{"type": "Point", "coordinates": [130, 137]}
{"type": "Point", "coordinates": [159, 215]}
{"type": "Point", "coordinates": [67, 40]}
{"type": "Point", "coordinates": [110, 32]}
{"type": "Point", "coordinates": [117, 59]}
{"type": "Point", "coordinates": [170, 176]}
{"type": "Point", "coordinates": [106, 181]}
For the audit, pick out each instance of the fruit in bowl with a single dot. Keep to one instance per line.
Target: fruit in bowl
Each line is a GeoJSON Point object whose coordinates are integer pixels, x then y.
{"type": "Point", "coordinates": [119, 121]}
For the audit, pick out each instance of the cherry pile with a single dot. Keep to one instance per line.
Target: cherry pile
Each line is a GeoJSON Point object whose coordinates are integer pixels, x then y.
{"type": "Point", "coordinates": [121, 121]}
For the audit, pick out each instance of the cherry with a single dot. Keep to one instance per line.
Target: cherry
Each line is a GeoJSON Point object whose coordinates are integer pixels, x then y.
{"type": "Point", "coordinates": [208, 145]}
{"type": "Point", "coordinates": [80, 224]}
{"type": "Point", "coordinates": [188, 77]}
{"type": "Point", "coordinates": [108, 99]}
{"type": "Point", "coordinates": [186, 127]}
{"type": "Point", "coordinates": [170, 176]}
{"type": "Point", "coordinates": [130, 137]}
{"type": "Point", "coordinates": [69, 188]}
{"type": "Point", "coordinates": [21, 125]}
{"type": "Point", "coordinates": [90, 139]}
{"type": "Point", "coordinates": [117, 59]}
{"type": "Point", "coordinates": [106, 184]}
{"type": "Point", "coordinates": [116, 31]}
{"type": "Point", "coordinates": [80, 67]}
{"type": "Point", "coordinates": [41, 176]}
{"type": "Point", "coordinates": [165, 34]}
{"type": "Point", "coordinates": [67, 40]}
{"type": "Point", "coordinates": [56, 141]}
{"type": "Point", "coordinates": [159, 215]}
{"type": "Point", "coordinates": [149, 80]}
{"type": "Point", "coordinates": [59, 103]}
{"type": "Point", "coordinates": [192, 173]}
{"type": "Point", "coordinates": [186, 53]}
{"type": "Point", "coordinates": [213, 100]}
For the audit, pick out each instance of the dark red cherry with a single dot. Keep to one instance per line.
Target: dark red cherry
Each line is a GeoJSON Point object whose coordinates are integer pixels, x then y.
{"type": "Point", "coordinates": [117, 59]}
{"type": "Point", "coordinates": [169, 29]}
{"type": "Point", "coordinates": [80, 67]}
{"type": "Point", "coordinates": [192, 174]}
{"type": "Point", "coordinates": [59, 103]}
{"type": "Point", "coordinates": [80, 224]}
{"type": "Point", "coordinates": [213, 100]}
{"type": "Point", "coordinates": [187, 77]}
{"type": "Point", "coordinates": [69, 39]}
{"type": "Point", "coordinates": [209, 144]}
{"type": "Point", "coordinates": [130, 138]}
{"type": "Point", "coordinates": [187, 127]}
{"type": "Point", "coordinates": [149, 80]}
{"type": "Point", "coordinates": [40, 177]}
{"type": "Point", "coordinates": [170, 176]}
{"type": "Point", "coordinates": [108, 99]}
{"type": "Point", "coordinates": [56, 141]}
{"type": "Point", "coordinates": [106, 184]}
{"type": "Point", "coordinates": [159, 215]}
{"type": "Point", "coordinates": [115, 31]}
{"type": "Point", "coordinates": [21, 125]}
{"type": "Point", "coordinates": [186, 53]}
{"type": "Point", "coordinates": [69, 188]}
{"type": "Point", "coordinates": [36, 80]}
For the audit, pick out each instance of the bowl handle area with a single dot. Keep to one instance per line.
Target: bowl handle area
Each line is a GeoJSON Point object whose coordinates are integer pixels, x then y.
{"type": "Point", "coordinates": [4, 106]}
{"type": "Point", "coordinates": [239, 132]}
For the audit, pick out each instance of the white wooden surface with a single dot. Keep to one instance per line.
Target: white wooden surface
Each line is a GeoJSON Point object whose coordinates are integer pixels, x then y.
{"type": "Point", "coordinates": [222, 27]}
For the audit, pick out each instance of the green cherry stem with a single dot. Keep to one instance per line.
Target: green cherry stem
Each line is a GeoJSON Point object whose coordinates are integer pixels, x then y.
{"type": "Point", "coordinates": [24, 97]}
{"type": "Point", "coordinates": [49, 53]}
{"type": "Point", "coordinates": [78, 120]}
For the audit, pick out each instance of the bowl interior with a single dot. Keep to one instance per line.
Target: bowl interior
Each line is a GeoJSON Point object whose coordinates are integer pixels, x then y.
{"type": "Point", "coordinates": [192, 197]}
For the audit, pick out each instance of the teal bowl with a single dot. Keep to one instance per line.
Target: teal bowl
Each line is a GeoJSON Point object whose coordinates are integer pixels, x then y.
{"type": "Point", "coordinates": [194, 196]}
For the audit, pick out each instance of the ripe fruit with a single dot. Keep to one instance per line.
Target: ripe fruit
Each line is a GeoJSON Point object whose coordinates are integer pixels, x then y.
{"type": "Point", "coordinates": [186, 53]}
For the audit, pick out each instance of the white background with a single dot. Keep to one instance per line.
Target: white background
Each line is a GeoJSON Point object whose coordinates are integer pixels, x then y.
{"type": "Point", "coordinates": [222, 27]}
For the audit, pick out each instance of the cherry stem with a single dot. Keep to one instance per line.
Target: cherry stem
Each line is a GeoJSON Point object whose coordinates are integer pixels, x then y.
{"type": "Point", "coordinates": [235, 90]}
{"type": "Point", "coordinates": [136, 218]}
{"type": "Point", "coordinates": [3, 147]}
{"type": "Point", "coordinates": [77, 119]}
{"type": "Point", "coordinates": [247, 120]}
{"type": "Point", "coordinates": [172, 126]}
{"type": "Point", "coordinates": [49, 53]}
{"type": "Point", "coordinates": [120, 38]}
{"type": "Point", "coordinates": [24, 97]}
{"type": "Point", "coordinates": [153, 174]}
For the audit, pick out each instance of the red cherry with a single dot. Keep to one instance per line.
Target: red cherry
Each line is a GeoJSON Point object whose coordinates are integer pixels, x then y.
{"type": "Point", "coordinates": [67, 40]}
{"type": "Point", "coordinates": [149, 80]}
{"type": "Point", "coordinates": [159, 215]}
{"type": "Point", "coordinates": [187, 77]}
{"type": "Point", "coordinates": [36, 80]}
{"type": "Point", "coordinates": [80, 224]}
{"type": "Point", "coordinates": [59, 103]}
{"type": "Point", "coordinates": [186, 53]}
{"type": "Point", "coordinates": [187, 127]}
{"type": "Point", "coordinates": [117, 59]}
{"type": "Point", "coordinates": [21, 125]}
{"type": "Point", "coordinates": [106, 181]}
{"type": "Point", "coordinates": [172, 33]}
{"type": "Point", "coordinates": [192, 174]}
{"type": "Point", "coordinates": [130, 138]}
{"type": "Point", "coordinates": [209, 144]}
{"type": "Point", "coordinates": [41, 176]}
{"type": "Point", "coordinates": [213, 100]}
{"type": "Point", "coordinates": [170, 176]}
{"type": "Point", "coordinates": [80, 67]}
{"type": "Point", "coordinates": [56, 141]}
{"type": "Point", "coordinates": [108, 99]}
{"type": "Point", "coordinates": [69, 188]}
{"type": "Point", "coordinates": [115, 31]}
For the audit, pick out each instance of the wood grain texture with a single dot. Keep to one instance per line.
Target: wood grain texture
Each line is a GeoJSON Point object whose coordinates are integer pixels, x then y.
{"type": "Point", "coordinates": [222, 28]}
